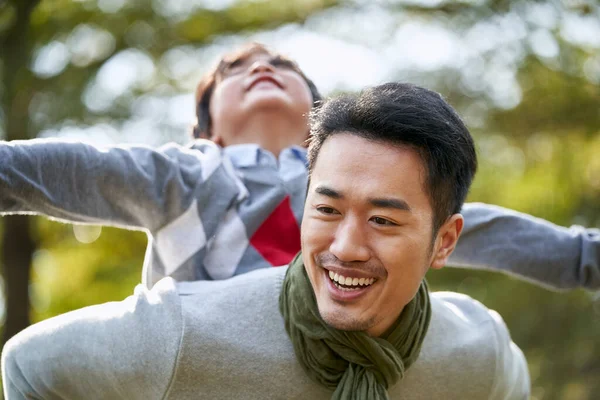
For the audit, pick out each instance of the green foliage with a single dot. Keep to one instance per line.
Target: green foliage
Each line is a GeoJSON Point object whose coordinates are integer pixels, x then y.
{"type": "Point", "coordinates": [555, 102]}
{"type": "Point", "coordinates": [252, 15]}
{"type": "Point", "coordinates": [69, 274]}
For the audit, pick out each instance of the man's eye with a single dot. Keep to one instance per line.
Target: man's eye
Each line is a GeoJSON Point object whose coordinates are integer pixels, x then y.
{"type": "Point", "coordinates": [383, 221]}
{"type": "Point", "coordinates": [326, 210]}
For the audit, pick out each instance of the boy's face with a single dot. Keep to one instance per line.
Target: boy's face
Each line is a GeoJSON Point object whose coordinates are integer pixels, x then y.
{"type": "Point", "coordinates": [368, 218]}
{"type": "Point", "coordinates": [259, 85]}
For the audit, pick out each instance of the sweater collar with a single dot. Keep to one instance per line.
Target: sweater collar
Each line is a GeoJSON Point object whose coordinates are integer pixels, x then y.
{"type": "Point", "coordinates": [250, 155]}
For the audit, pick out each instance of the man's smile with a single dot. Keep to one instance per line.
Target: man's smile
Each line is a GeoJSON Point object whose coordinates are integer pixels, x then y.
{"type": "Point", "coordinates": [349, 282]}
{"type": "Point", "coordinates": [347, 288]}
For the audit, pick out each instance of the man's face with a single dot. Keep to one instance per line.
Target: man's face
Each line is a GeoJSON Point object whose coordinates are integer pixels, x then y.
{"type": "Point", "coordinates": [367, 219]}
{"type": "Point", "coordinates": [259, 85]}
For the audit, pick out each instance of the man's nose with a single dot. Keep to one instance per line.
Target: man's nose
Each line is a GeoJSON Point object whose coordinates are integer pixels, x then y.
{"type": "Point", "coordinates": [261, 66]}
{"type": "Point", "coordinates": [350, 243]}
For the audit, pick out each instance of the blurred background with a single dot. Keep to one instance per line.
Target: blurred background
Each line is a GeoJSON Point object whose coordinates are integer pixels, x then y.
{"type": "Point", "coordinates": [524, 74]}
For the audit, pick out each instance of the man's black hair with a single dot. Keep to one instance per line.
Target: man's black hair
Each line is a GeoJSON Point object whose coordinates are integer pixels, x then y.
{"type": "Point", "coordinates": [406, 115]}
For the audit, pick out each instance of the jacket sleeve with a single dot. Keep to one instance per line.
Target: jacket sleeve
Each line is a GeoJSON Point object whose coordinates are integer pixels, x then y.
{"type": "Point", "coordinates": [499, 239]}
{"type": "Point", "coordinates": [126, 186]}
{"type": "Point", "coordinates": [511, 380]}
{"type": "Point", "coordinates": [117, 350]}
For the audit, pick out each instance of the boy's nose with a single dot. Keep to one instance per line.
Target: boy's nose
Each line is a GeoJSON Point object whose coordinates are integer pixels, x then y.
{"type": "Point", "coordinates": [261, 66]}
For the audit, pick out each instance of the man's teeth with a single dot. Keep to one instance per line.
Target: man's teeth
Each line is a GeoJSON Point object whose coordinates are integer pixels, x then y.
{"type": "Point", "coordinates": [342, 280]}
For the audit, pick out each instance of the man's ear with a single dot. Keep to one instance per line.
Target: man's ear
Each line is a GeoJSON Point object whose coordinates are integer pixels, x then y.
{"type": "Point", "coordinates": [446, 240]}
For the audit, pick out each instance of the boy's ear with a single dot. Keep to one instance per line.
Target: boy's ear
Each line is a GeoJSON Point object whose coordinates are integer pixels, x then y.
{"type": "Point", "coordinates": [446, 240]}
{"type": "Point", "coordinates": [217, 139]}
{"type": "Point", "coordinates": [199, 134]}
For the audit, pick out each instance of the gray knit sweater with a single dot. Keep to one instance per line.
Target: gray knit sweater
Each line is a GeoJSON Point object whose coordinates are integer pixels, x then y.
{"type": "Point", "coordinates": [226, 340]}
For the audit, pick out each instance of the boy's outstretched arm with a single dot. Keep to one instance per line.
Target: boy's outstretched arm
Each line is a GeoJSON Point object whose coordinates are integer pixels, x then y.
{"type": "Point", "coordinates": [126, 186]}
{"type": "Point", "coordinates": [499, 239]}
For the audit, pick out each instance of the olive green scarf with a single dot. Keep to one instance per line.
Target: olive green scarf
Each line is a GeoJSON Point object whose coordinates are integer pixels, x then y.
{"type": "Point", "coordinates": [356, 365]}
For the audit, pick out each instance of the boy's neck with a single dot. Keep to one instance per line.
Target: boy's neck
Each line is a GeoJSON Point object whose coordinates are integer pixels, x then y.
{"type": "Point", "coordinates": [271, 134]}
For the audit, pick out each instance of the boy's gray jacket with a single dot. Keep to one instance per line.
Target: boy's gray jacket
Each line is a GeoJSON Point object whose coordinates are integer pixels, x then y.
{"type": "Point", "coordinates": [211, 213]}
{"type": "Point", "coordinates": [226, 340]}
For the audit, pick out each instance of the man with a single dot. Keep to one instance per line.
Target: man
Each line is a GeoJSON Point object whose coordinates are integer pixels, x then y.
{"type": "Point", "coordinates": [350, 318]}
{"type": "Point", "coordinates": [218, 208]}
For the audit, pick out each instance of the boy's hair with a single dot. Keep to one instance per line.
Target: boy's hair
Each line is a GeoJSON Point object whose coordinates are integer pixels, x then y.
{"type": "Point", "coordinates": [406, 115]}
{"type": "Point", "coordinates": [206, 86]}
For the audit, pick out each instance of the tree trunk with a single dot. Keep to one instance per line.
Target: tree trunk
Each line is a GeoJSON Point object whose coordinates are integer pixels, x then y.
{"type": "Point", "coordinates": [17, 250]}
{"type": "Point", "coordinates": [17, 244]}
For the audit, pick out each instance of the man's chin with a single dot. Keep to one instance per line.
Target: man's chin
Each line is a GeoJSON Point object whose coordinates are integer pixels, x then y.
{"type": "Point", "coordinates": [344, 321]}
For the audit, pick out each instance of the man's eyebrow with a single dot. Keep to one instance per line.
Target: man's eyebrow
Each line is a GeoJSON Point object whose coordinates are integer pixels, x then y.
{"type": "Point", "coordinates": [391, 203]}
{"type": "Point", "coordinates": [398, 204]}
{"type": "Point", "coordinates": [329, 192]}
